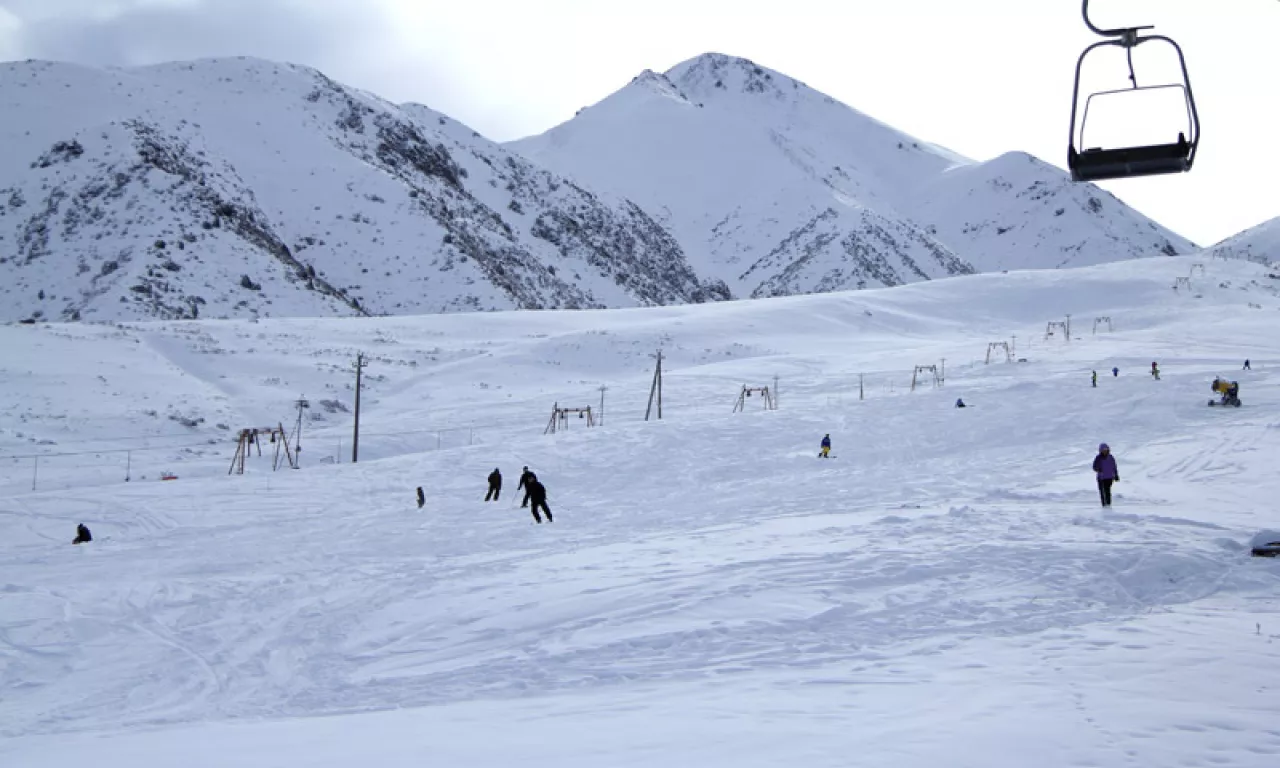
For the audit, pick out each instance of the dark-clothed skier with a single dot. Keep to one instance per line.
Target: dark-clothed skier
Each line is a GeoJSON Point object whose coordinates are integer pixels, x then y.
{"type": "Point", "coordinates": [538, 495]}
{"type": "Point", "coordinates": [1095, 378]}
{"type": "Point", "coordinates": [826, 447]}
{"type": "Point", "coordinates": [422, 498]}
{"type": "Point", "coordinates": [495, 485]}
{"type": "Point", "coordinates": [1104, 465]}
{"type": "Point", "coordinates": [525, 477]}
{"type": "Point", "coordinates": [1246, 366]}
{"type": "Point", "coordinates": [82, 534]}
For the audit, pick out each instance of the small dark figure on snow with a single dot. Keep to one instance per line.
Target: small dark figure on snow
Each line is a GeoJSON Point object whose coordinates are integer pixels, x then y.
{"type": "Point", "coordinates": [495, 485]}
{"type": "Point", "coordinates": [1155, 372]}
{"type": "Point", "coordinates": [538, 495]}
{"type": "Point", "coordinates": [1115, 371]}
{"type": "Point", "coordinates": [960, 403]}
{"type": "Point", "coordinates": [82, 534]}
{"type": "Point", "coordinates": [1095, 378]}
{"type": "Point", "coordinates": [422, 498]}
{"type": "Point", "coordinates": [826, 447]}
{"type": "Point", "coordinates": [525, 477]}
{"type": "Point", "coordinates": [1104, 465]}
{"type": "Point", "coordinates": [1246, 366]}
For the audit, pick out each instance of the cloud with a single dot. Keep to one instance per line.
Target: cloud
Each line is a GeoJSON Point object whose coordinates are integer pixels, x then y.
{"type": "Point", "coordinates": [364, 44]}
{"type": "Point", "coordinates": [133, 32]}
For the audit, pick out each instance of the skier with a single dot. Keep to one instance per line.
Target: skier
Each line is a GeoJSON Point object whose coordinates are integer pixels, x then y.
{"type": "Point", "coordinates": [826, 447]}
{"type": "Point", "coordinates": [422, 499]}
{"type": "Point", "coordinates": [1246, 366]}
{"type": "Point", "coordinates": [1115, 371]}
{"type": "Point", "coordinates": [525, 477]}
{"type": "Point", "coordinates": [960, 403]}
{"type": "Point", "coordinates": [495, 485]}
{"type": "Point", "coordinates": [1104, 466]}
{"type": "Point", "coordinates": [1095, 378]}
{"type": "Point", "coordinates": [1155, 372]}
{"type": "Point", "coordinates": [82, 534]}
{"type": "Point", "coordinates": [538, 494]}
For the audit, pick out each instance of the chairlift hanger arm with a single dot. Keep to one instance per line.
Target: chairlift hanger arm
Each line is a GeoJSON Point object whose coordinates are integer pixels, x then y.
{"type": "Point", "coordinates": [1128, 35]}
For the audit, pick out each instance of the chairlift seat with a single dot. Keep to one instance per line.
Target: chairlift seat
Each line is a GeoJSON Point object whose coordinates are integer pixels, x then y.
{"type": "Point", "coordinates": [1097, 164]}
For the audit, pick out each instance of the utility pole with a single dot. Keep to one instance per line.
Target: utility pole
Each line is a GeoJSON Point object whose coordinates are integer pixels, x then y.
{"type": "Point", "coordinates": [603, 389]}
{"type": "Point", "coordinates": [1068, 327]}
{"type": "Point", "coordinates": [297, 431]}
{"type": "Point", "coordinates": [355, 437]}
{"type": "Point", "coordinates": [944, 370]}
{"type": "Point", "coordinates": [655, 387]}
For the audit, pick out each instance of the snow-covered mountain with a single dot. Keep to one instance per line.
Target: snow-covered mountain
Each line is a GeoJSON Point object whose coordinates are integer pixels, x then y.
{"type": "Point", "coordinates": [1260, 244]}
{"type": "Point", "coordinates": [239, 187]}
{"type": "Point", "coordinates": [775, 187]}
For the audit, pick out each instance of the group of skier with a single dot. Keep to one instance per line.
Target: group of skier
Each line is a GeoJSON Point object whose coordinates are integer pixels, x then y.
{"type": "Point", "coordinates": [535, 493]}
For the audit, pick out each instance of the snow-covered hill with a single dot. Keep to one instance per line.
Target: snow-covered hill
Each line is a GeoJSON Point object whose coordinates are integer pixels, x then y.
{"type": "Point", "coordinates": [1260, 244]}
{"type": "Point", "coordinates": [238, 187]}
{"type": "Point", "coordinates": [778, 188]}
{"type": "Point", "coordinates": [710, 592]}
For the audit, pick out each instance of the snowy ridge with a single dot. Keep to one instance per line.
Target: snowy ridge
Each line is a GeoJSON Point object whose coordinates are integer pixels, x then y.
{"type": "Point", "coordinates": [1260, 244]}
{"type": "Point", "coordinates": [1016, 211]}
{"type": "Point", "coordinates": [710, 592]}
{"type": "Point", "coordinates": [238, 187]}
{"type": "Point", "coordinates": [742, 162]}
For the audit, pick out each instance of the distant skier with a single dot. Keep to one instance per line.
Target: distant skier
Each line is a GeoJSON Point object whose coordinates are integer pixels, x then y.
{"type": "Point", "coordinates": [1246, 366]}
{"type": "Point", "coordinates": [1115, 371]}
{"type": "Point", "coordinates": [82, 534]}
{"type": "Point", "coordinates": [826, 447]}
{"type": "Point", "coordinates": [1095, 378]}
{"type": "Point", "coordinates": [960, 403]}
{"type": "Point", "coordinates": [525, 477]}
{"type": "Point", "coordinates": [1104, 466]}
{"type": "Point", "coordinates": [422, 499]}
{"type": "Point", "coordinates": [538, 495]}
{"type": "Point", "coordinates": [495, 485]}
{"type": "Point", "coordinates": [1155, 372]}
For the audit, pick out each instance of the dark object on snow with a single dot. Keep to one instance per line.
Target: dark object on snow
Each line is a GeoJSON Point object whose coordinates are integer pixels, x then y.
{"type": "Point", "coordinates": [1246, 366]}
{"type": "Point", "coordinates": [525, 477]}
{"type": "Point", "coordinates": [495, 485]}
{"type": "Point", "coordinates": [538, 495]}
{"type": "Point", "coordinates": [1115, 371]}
{"type": "Point", "coordinates": [1269, 549]}
{"type": "Point", "coordinates": [82, 534]}
{"type": "Point", "coordinates": [1266, 544]}
{"type": "Point", "coordinates": [960, 403]}
{"type": "Point", "coordinates": [422, 499]}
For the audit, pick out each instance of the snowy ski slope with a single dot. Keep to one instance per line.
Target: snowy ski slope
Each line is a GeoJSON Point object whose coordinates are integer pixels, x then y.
{"type": "Point", "coordinates": [944, 592]}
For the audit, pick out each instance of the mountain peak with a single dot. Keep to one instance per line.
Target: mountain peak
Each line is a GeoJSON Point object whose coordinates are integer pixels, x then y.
{"type": "Point", "coordinates": [710, 73]}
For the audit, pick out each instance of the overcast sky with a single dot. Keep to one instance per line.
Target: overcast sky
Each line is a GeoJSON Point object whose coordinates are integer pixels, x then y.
{"type": "Point", "coordinates": [979, 76]}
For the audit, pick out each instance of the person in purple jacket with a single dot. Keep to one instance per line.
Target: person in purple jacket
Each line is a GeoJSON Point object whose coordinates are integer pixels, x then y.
{"type": "Point", "coordinates": [1104, 465]}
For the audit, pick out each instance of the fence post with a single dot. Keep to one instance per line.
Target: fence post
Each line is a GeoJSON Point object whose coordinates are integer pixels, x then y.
{"type": "Point", "coordinates": [35, 471]}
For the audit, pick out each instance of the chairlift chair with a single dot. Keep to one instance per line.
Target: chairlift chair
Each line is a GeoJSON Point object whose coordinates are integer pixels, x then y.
{"type": "Point", "coordinates": [1098, 164]}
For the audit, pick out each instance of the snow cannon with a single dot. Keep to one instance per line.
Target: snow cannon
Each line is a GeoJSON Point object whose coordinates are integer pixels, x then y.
{"type": "Point", "coordinates": [1229, 392]}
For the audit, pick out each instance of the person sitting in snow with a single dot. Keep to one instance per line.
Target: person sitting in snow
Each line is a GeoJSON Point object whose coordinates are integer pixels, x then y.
{"type": "Point", "coordinates": [826, 446]}
{"type": "Point", "coordinates": [82, 534]}
{"type": "Point", "coordinates": [960, 403]}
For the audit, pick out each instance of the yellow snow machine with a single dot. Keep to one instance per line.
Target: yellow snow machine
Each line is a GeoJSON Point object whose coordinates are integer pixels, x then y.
{"type": "Point", "coordinates": [1229, 392]}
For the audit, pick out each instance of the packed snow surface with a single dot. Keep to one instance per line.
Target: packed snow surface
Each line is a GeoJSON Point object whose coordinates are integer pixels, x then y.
{"type": "Point", "coordinates": [946, 591]}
